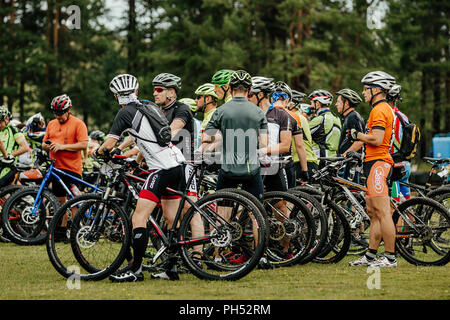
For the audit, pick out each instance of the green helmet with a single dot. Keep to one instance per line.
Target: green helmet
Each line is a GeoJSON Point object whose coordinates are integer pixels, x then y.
{"type": "Point", "coordinates": [350, 95]}
{"type": "Point", "coordinates": [206, 89]}
{"type": "Point", "coordinates": [222, 77]}
{"type": "Point", "coordinates": [189, 102]}
{"type": "Point", "coordinates": [241, 77]}
{"type": "Point", "coordinates": [4, 112]}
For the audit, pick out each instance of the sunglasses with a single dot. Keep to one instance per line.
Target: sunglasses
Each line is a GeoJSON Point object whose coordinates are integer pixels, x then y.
{"type": "Point", "coordinates": [159, 90]}
{"type": "Point", "coordinates": [370, 87]}
{"type": "Point", "coordinates": [59, 113]}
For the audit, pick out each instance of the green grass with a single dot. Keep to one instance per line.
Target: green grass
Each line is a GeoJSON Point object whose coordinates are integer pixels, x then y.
{"type": "Point", "coordinates": [26, 273]}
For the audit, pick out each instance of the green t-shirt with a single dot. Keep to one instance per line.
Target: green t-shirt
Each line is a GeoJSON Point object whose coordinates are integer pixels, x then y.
{"type": "Point", "coordinates": [9, 137]}
{"type": "Point", "coordinates": [325, 132]}
{"type": "Point", "coordinates": [240, 123]}
{"type": "Point", "coordinates": [307, 140]}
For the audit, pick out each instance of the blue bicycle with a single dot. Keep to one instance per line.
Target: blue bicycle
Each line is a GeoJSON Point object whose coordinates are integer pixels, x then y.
{"type": "Point", "coordinates": [27, 213]}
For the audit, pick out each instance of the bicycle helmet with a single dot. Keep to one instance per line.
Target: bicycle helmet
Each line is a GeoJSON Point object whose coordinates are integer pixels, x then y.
{"type": "Point", "coordinates": [282, 87]}
{"type": "Point", "coordinates": [262, 84]}
{"type": "Point", "coordinates": [394, 93]}
{"type": "Point", "coordinates": [351, 96]}
{"type": "Point", "coordinates": [61, 104]}
{"type": "Point", "coordinates": [240, 77]}
{"type": "Point", "coordinates": [380, 79]}
{"type": "Point", "coordinates": [167, 80]}
{"type": "Point", "coordinates": [306, 108]}
{"type": "Point", "coordinates": [206, 89]}
{"type": "Point", "coordinates": [222, 77]}
{"type": "Point", "coordinates": [97, 135]}
{"type": "Point", "coordinates": [35, 122]}
{"type": "Point", "coordinates": [124, 84]}
{"type": "Point", "coordinates": [189, 102]}
{"type": "Point", "coordinates": [4, 113]}
{"type": "Point", "coordinates": [297, 96]}
{"type": "Point", "coordinates": [323, 96]}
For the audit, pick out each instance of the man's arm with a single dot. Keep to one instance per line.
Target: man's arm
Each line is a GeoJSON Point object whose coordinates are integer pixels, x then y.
{"type": "Point", "coordinates": [23, 147]}
{"type": "Point", "coordinates": [301, 151]}
{"type": "Point", "coordinates": [74, 147]}
{"type": "Point", "coordinates": [176, 126]}
{"type": "Point", "coordinates": [282, 147]}
{"type": "Point", "coordinates": [356, 146]}
{"type": "Point", "coordinates": [375, 139]}
{"type": "Point", "coordinates": [109, 143]}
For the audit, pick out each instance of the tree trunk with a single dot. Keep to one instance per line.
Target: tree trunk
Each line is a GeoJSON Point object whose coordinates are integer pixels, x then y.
{"type": "Point", "coordinates": [132, 47]}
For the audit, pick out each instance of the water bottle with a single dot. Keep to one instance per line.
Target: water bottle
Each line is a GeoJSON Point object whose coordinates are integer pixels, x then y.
{"type": "Point", "coordinates": [75, 190]}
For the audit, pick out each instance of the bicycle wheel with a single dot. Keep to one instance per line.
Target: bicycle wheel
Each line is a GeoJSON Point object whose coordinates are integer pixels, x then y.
{"type": "Point", "coordinates": [5, 193]}
{"type": "Point", "coordinates": [359, 225]}
{"type": "Point", "coordinates": [292, 228]}
{"type": "Point", "coordinates": [78, 246]}
{"type": "Point", "coordinates": [320, 224]}
{"type": "Point", "coordinates": [232, 225]}
{"type": "Point", "coordinates": [423, 232]}
{"type": "Point", "coordinates": [338, 238]}
{"type": "Point", "coordinates": [22, 221]}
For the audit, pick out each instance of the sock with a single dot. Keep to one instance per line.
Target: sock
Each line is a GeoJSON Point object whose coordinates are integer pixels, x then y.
{"type": "Point", "coordinates": [390, 256]}
{"type": "Point", "coordinates": [371, 254]}
{"type": "Point", "coordinates": [139, 244]}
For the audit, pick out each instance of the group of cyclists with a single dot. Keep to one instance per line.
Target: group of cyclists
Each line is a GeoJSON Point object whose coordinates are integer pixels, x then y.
{"type": "Point", "coordinates": [250, 120]}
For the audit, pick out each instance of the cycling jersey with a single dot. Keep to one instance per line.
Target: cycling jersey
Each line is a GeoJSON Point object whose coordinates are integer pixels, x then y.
{"type": "Point", "coordinates": [181, 111]}
{"type": "Point", "coordinates": [398, 130]}
{"type": "Point", "coordinates": [307, 141]}
{"type": "Point", "coordinates": [9, 137]}
{"type": "Point", "coordinates": [325, 132]}
{"type": "Point", "coordinates": [278, 120]}
{"type": "Point", "coordinates": [207, 116]}
{"type": "Point", "coordinates": [240, 123]}
{"type": "Point", "coordinates": [381, 117]}
{"type": "Point", "coordinates": [129, 119]}
{"type": "Point", "coordinates": [72, 131]}
{"type": "Point", "coordinates": [352, 120]}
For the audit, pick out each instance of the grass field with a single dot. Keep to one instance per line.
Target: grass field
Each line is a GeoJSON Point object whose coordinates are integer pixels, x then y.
{"type": "Point", "coordinates": [26, 274]}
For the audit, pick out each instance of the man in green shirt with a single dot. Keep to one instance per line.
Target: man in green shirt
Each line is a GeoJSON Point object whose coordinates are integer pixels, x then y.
{"type": "Point", "coordinates": [206, 99]}
{"type": "Point", "coordinates": [242, 128]}
{"type": "Point", "coordinates": [325, 126]}
{"type": "Point", "coordinates": [14, 142]}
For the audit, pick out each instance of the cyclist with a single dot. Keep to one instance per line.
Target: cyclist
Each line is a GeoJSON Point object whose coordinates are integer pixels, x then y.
{"type": "Point", "coordinates": [311, 159]}
{"type": "Point", "coordinates": [197, 123]}
{"type": "Point", "coordinates": [377, 167]}
{"type": "Point", "coordinates": [163, 161]}
{"type": "Point", "coordinates": [281, 99]}
{"type": "Point", "coordinates": [347, 101]}
{"type": "Point", "coordinates": [242, 127]}
{"type": "Point", "coordinates": [68, 137]}
{"type": "Point", "coordinates": [14, 145]}
{"type": "Point", "coordinates": [325, 126]}
{"type": "Point", "coordinates": [280, 129]}
{"type": "Point", "coordinates": [397, 188]}
{"type": "Point", "coordinates": [220, 80]}
{"type": "Point", "coordinates": [206, 100]}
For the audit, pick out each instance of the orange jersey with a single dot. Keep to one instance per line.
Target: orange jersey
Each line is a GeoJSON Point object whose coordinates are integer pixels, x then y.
{"type": "Point", "coordinates": [72, 131]}
{"type": "Point", "coordinates": [381, 116]}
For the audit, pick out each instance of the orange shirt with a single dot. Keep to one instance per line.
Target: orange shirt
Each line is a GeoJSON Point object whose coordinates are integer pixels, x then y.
{"type": "Point", "coordinates": [72, 131]}
{"type": "Point", "coordinates": [381, 116]}
{"type": "Point", "coordinates": [293, 115]}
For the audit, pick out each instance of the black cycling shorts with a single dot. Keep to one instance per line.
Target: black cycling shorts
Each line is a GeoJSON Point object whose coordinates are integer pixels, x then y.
{"type": "Point", "coordinates": [154, 188]}
{"type": "Point", "coordinates": [276, 182]}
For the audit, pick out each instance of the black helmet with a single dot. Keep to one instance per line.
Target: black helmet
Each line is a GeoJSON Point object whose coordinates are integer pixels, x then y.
{"type": "Point", "coordinates": [240, 77]}
{"type": "Point", "coordinates": [97, 135]}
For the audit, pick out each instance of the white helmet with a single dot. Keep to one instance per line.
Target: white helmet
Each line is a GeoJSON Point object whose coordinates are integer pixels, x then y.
{"type": "Point", "coordinates": [323, 96]}
{"type": "Point", "coordinates": [124, 84]}
{"type": "Point", "coordinates": [379, 78]}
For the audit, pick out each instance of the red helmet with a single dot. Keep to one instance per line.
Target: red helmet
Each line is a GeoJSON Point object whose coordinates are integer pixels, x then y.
{"type": "Point", "coordinates": [61, 104]}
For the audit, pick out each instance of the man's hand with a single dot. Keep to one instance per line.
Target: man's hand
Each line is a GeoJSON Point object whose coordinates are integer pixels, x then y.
{"type": "Point", "coordinates": [55, 147]}
{"type": "Point", "coordinates": [303, 177]}
{"type": "Point", "coordinates": [352, 134]}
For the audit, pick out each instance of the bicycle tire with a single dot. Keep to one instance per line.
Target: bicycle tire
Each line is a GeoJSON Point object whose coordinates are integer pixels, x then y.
{"type": "Point", "coordinates": [432, 224]}
{"type": "Point", "coordinates": [321, 224]}
{"type": "Point", "coordinates": [297, 232]}
{"type": "Point", "coordinates": [246, 224]}
{"type": "Point", "coordinates": [339, 236]}
{"type": "Point", "coordinates": [5, 193]}
{"type": "Point", "coordinates": [20, 225]}
{"type": "Point", "coordinates": [64, 251]}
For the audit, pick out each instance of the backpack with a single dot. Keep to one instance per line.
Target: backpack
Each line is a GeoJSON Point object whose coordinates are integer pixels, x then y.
{"type": "Point", "coordinates": [410, 141]}
{"type": "Point", "coordinates": [158, 122]}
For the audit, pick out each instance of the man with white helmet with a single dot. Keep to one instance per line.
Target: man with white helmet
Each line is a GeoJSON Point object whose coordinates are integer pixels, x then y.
{"type": "Point", "coordinates": [163, 161]}
{"type": "Point", "coordinates": [206, 99]}
{"type": "Point", "coordinates": [377, 168]}
{"type": "Point", "coordinates": [325, 126]}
